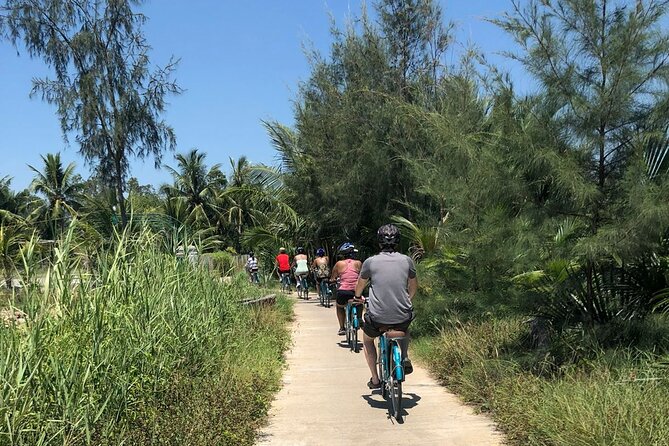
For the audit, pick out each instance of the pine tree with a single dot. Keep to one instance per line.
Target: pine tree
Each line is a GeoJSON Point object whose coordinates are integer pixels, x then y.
{"type": "Point", "coordinates": [103, 88]}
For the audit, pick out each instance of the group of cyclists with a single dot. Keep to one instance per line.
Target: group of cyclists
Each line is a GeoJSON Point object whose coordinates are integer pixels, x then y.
{"type": "Point", "coordinates": [392, 282]}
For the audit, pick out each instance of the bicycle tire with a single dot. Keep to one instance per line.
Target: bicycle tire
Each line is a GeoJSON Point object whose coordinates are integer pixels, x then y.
{"type": "Point", "coordinates": [395, 389]}
{"type": "Point", "coordinates": [305, 289]}
{"type": "Point", "coordinates": [347, 327]}
{"type": "Point", "coordinates": [356, 347]}
{"type": "Point", "coordinates": [395, 380]}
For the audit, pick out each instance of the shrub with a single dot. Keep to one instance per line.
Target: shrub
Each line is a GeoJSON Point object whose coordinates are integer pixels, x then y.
{"type": "Point", "coordinates": [222, 262]}
{"type": "Point", "coordinates": [149, 350]}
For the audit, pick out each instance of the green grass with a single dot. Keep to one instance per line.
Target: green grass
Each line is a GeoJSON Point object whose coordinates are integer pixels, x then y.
{"type": "Point", "coordinates": [600, 388]}
{"type": "Point", "coordinates": [147, 350]}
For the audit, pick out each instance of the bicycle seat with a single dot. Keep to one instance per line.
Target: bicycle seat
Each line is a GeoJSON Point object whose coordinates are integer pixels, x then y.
{"type": "Point", "coordinates": [396, 338]}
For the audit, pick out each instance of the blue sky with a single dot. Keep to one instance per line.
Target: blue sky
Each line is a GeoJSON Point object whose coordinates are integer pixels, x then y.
{"type": "Point", "coordinates": [241, 62]}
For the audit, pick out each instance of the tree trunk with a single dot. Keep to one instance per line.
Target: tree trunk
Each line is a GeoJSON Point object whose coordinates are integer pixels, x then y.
{"type": "Point", "coordinates": [590, 299]}
{"type": "Point", "coordinates": [120, 199]}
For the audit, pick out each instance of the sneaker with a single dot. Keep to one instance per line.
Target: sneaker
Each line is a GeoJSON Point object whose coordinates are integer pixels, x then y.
{"type": "Point", "coordinates": [408, 367]}
{"type": "Point", "coordinates": [373, 386]}
{"type": "Point", "coordinates": [341, 332]}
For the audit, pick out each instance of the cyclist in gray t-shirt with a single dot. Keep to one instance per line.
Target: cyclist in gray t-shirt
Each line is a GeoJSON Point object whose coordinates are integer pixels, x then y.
{"type": "Point", "coordinates": [393, 283]}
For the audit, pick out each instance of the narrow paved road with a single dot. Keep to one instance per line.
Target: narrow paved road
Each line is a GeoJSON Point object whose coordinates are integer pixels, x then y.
{"type": "Point", "coordinates": [325, 399]}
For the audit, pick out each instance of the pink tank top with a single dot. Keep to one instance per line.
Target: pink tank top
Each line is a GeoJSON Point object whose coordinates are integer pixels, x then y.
{"type": "Point", "coordinates": [349, 277]}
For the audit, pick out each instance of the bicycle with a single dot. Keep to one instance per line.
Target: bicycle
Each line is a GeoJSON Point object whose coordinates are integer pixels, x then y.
{"type": "Point", "coordinates": [303, 287]}
{"type": "Point", "coordinates": [254, 277]}
{"type": "Point", "coordinates": [391, 372]}
{"type": "Point", "coordinates": [324, 293]}
{"type": "Point", "coordinates": [352, 324]}
{"type": "Point", "coordinates": [285, 282]}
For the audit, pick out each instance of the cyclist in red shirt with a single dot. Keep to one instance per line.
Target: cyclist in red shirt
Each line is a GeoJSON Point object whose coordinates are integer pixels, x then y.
{"type": "Point", "coordinates": [283, 265]}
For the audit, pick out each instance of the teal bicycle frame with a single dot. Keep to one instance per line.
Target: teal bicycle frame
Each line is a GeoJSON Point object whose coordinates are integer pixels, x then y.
{"type": "Point", "coordinates": [391, 372]}
{"type": "Point", "coordinates": [390, 353]}
{"type": "Point", "coordinates": [324, 293]}
{"type": "Point", "coordinates": [352, 325]}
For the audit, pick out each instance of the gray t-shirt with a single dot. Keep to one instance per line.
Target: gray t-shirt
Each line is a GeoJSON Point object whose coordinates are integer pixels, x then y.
{"type": "Point", "coordinates": [389, 273]}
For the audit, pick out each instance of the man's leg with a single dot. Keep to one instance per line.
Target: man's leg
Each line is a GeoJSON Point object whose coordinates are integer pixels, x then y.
{"type": "Point", "coordinates": [370, 356]}
{"type": "Point", "coordinates": [404, 345]}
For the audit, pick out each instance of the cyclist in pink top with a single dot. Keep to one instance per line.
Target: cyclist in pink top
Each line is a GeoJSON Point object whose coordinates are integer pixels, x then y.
{"type": "Point", "coordinates": [347, 271]}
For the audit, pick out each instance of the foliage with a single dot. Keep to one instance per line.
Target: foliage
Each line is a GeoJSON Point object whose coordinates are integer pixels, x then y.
{"type": "Point", "coordinates": [348, 135]}
{"type": "Point", "coordinates": [574, 172]}
{"type": "Point", "coordinates": [108, 353]}
{"type": "Point", "coordinates": [223, 262]}
{"type": "Point", "coordinates": [61, 191]}
{"type": "Point", "coordinates": [11, 239]}
{"type": "Point", "coordinates": [616, 396]}
{"type": "Point", "coordinates": [13, 205]}
{"type": "Point", "coordinates": [195, 188]}
{"type": "Point", "coordinates": [142, 198]}
{"type": "Point", "coordinates": [103, 86]}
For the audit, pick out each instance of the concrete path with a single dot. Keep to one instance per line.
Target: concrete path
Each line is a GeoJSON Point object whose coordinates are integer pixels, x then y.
{"type": "Point", "coordinates": [325, 399]}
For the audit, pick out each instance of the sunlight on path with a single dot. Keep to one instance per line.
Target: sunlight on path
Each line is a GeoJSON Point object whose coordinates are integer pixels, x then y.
{"type": "Point", "coordinates": [325, 399]}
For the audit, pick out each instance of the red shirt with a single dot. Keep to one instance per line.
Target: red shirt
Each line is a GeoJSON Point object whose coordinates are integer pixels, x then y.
{"type": "Point", "coordinates": [284, 262]}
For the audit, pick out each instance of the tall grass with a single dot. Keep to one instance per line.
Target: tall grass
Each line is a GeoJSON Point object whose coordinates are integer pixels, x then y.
{"type": "Point", "coordinates": [609, 397]}
{"type": "Point", "coordinates": [139, 348]}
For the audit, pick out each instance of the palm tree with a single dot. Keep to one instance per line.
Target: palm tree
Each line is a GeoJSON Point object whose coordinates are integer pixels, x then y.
{"type": "Point", "coordinates": [61, 188]}
{"type": "Point", "coordinates": [255, 196]}
{"type": "Point", "coordinates": [13, 205]}
{"type": "Point", "coordinates": [196, 187]}
{"type": "Point", "coordinates": [11, 239]}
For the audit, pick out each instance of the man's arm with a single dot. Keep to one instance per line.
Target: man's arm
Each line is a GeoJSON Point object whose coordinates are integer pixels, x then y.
{"type": "Point", "coordinates": [360, 286]}
{"type": "Point", "coordinates": [413, 287]}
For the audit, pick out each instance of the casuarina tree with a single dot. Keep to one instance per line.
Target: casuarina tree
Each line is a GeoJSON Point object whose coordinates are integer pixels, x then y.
{"type": "Point", "coordinates": [104, 89]}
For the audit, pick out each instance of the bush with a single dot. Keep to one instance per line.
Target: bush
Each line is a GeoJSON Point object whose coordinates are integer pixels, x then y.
{"type": "Point", "coordinates": [222, 262]}
{"type": "Point", "coordinates": [150, 350]}
{"type": "Point", "coordinates": [606, 397]}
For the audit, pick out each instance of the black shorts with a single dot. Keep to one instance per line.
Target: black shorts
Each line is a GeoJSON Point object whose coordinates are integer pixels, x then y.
{"type": "Point", "coordinates": [343, 296]}
{"type": "Point", "coordinates": [374, 329]}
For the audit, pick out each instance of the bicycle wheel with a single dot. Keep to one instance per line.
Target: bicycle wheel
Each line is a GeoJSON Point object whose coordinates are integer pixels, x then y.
{"type": "Point", "coordinates": [356, 347]}
{"type": "Point", "coordinates": [349, 326]}
{"type": "Point", "coordinates": [395, 380]}
{"type": "Point", "coordinates": [395, 390]}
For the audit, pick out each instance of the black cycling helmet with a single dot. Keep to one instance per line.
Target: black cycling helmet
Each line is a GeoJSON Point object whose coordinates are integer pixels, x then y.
{"type": "Point", "coordinates": [299, 250]}
{"type": "Point", "coordinates": [388, 236]}
{"type": "Point", "coordinates": [250, 253]}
